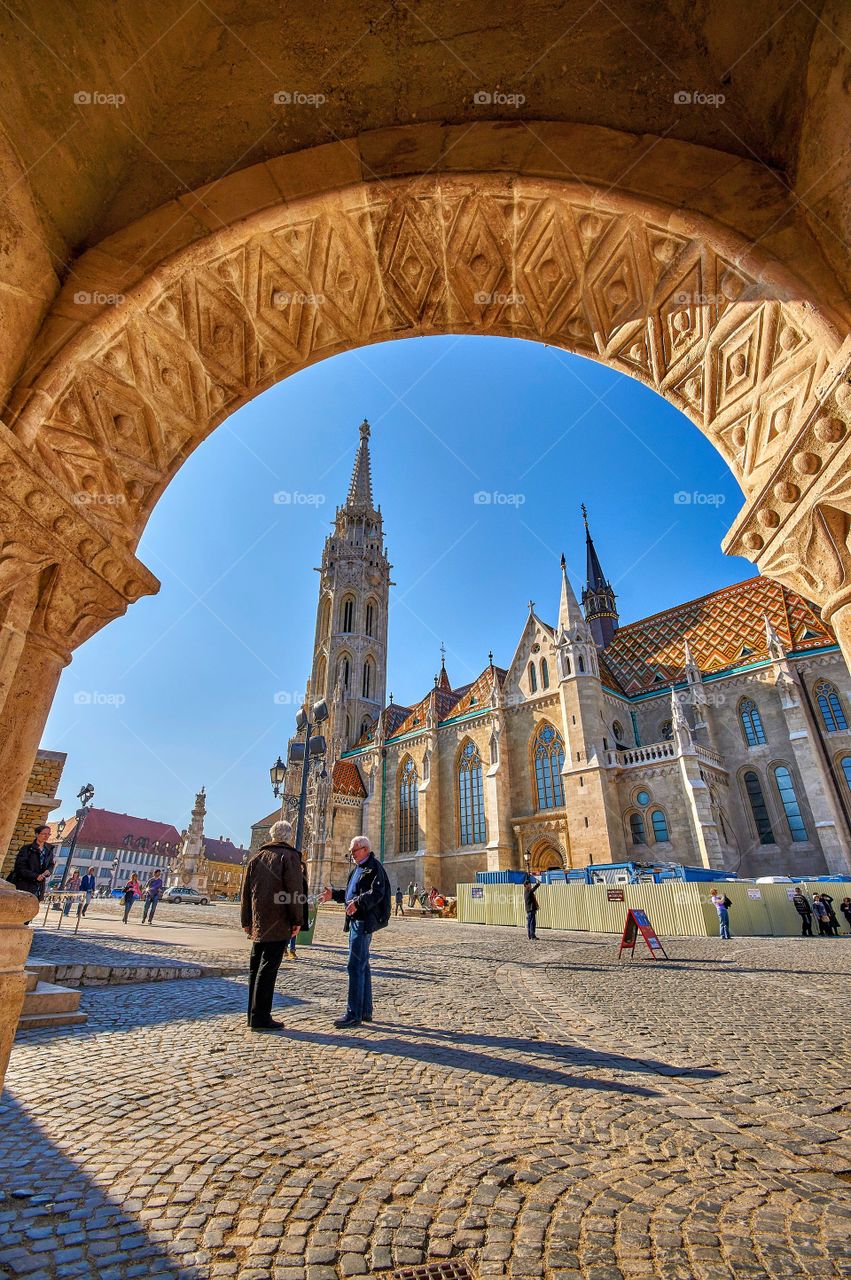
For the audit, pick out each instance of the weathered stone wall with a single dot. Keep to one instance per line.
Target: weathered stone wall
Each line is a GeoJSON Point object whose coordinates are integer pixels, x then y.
{"type": "Point", "coordinates": [39, 802]}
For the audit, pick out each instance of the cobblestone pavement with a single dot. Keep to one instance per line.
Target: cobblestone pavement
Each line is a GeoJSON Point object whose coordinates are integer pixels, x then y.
{"type": "Point", "coordinates": [538, 1109]}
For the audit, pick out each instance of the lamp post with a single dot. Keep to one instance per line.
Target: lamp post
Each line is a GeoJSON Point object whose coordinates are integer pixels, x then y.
{"type": "Point", "coordinates": [85, 795]}
{"type": "Point", "coordinates": [312, 750]}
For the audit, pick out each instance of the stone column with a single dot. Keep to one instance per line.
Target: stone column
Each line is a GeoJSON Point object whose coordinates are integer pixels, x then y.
{"type": "Point", "coordinates": [22, 720]}
{"type": "Point", "coordinates": [840, 620]}
{"type": "Point", "coordinates": [16, 909]}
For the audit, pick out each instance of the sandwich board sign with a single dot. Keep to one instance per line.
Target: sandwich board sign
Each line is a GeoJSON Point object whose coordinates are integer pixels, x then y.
{"type": "Point", "coordinates": [638, 923]}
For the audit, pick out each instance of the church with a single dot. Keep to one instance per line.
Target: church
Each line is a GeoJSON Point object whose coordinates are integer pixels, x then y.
{"type": "Point", "coordinates": [715, 733]}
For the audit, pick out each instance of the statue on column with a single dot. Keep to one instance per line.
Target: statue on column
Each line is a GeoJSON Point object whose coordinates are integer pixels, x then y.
{"type": "Point", "coordinates": [190, 865]}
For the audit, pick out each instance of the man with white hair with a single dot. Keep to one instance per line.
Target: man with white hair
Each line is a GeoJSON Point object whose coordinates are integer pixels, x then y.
{"type": "Point", "coordinates": [272, 908]}
{"type": "Point", "coordinates": [367, 900]}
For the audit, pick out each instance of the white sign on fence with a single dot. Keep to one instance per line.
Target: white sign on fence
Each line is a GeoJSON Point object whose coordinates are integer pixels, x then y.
{"type": "Point", "coordinates": [754, 893]}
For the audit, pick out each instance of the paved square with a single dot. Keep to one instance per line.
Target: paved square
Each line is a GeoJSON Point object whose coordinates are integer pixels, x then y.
{"type": "Point", "coordinates": [534, 1109]}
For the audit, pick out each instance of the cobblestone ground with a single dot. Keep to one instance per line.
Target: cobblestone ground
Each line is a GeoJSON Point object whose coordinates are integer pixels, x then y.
{"type": "Point", "coordinates": [538, 1109]}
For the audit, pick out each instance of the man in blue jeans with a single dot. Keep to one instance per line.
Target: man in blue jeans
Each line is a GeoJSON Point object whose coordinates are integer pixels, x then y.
{"type": "Point", "coordinates": [367, 901]}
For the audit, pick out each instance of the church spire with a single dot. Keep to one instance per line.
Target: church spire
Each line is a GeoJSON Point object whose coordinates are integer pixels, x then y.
{"type": "Point", "coordinates": [569, 613]}
{"type": "Point", "coordinates": [598, 598]}
{"type": "Point", "coordinates": [360, 489]}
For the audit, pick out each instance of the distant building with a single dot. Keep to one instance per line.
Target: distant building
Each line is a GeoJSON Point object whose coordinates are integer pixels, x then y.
{"type": "Point", "coordinates": [224, 864]}
{"type": "Point", "coordinates": [116, 845]}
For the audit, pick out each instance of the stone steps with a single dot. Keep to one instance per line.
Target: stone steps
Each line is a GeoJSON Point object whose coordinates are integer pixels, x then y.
{"type": "Point", "coordinates": [48, 1005]}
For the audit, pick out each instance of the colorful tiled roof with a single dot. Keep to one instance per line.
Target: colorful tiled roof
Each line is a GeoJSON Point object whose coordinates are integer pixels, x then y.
{"type": "Point", "coordinates": [346, 779]}
{"type": "Point", "coordinates": [104, 829]}
{"type": "Point", "coordinates": [724, 629]}
{"type": "Point", "coordinates": [453, 702]}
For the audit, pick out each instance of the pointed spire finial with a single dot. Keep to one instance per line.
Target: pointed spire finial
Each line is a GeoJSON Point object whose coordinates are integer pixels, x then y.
{"type": "Point", "coordinates": [563, 561]}
{"type": "Point", "coordinates": [442, 655]}
{"type": "Point", "coordinates": [490, 658]}
{"type": "Point", "coordinates": [360, 488]}
{"type": "Point", "coordinates": [391, 700]}
{"type": "Point", "coordinates": [531, 606]}
{"type": "Point", "coordinates": [585, 516]}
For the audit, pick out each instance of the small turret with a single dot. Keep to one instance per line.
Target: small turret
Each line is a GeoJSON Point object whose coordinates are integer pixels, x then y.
{"type": "Point", "coordinates": [598, 597]}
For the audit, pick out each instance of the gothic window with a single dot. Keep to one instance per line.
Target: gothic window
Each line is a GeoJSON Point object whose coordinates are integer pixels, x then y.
{"type": "Point", "coordinates": [789, 800]}
{"type": "Point", "coordinates": [368, 678]}
{"type": "Point", "coordinates": [320, 678]}
{"type": "Point", "coordinates": [471, 803]}
{"type": "Point", "coordinates": [348, 731]}
{"type": "Point", "coordinates": [545, 674]}
{"type": "Point", "coordinates": [549, 759]}
{"type": "Point", "coordinates": [533, 678]}
{"type": "Point", "coordinates": [567, 666]}
{"type": "Point", "coordinates": [833, 717]}
{"type": "Point", "coordinates": [348, 614]}
{"type": "Point", "coordinates": [344, 670]}
{"type": "Point", "coordinates": [370, 619]}
{"type": "Point", "coordinates": [364, 726]}
{"type": "Point", "coordinates": [617, 730]}
{"type": "Point", "coordinates": [666, 731]}
{"type": "Point", "coordinates": [845, 766]}
{"type": "Point", "coordinates": [660, 825]}
{"type": "Point", "coordinates": [325, 618]}
{"type": "Point", "coordinates": [762, 822]}
{"type": "Point", "coordinates": [751, 723]}
{"type": "Point", "coordinates": [494, 749]}
{"type": "Point", "coordinates": [636, 828]}
{"type": "Point", "coordinates": [409, 830]}
{"type": "Point", "coordinates": [581, 664]}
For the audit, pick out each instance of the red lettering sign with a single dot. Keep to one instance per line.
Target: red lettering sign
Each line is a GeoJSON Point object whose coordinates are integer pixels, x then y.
{"type": "Point", "coordinates": [638, 923]}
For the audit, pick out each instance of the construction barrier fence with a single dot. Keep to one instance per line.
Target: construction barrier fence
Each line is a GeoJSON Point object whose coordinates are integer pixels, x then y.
{"type": "Point", "coordinates": [678, 909]}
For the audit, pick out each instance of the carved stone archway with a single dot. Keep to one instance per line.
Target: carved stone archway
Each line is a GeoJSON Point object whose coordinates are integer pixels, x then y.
{"type": "Point", "coordinates": [181, 324]}
{"type": "Point", "coordinates": [544, 855]}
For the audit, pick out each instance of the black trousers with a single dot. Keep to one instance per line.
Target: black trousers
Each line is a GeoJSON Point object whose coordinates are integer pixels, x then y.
{"type": "Point", "coordinates": [806, 925]}
{"type": "Point", "coordinates": [263, 969]}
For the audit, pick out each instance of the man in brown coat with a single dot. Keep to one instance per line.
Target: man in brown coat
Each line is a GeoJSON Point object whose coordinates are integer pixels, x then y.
{"type": "Point", "coordinates": [272, 911]}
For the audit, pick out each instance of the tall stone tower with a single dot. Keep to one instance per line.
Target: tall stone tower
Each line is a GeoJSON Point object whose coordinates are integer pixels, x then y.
{"type": "Point", "coordinates": [350, 649]}
{"type": "Point", "coordinates": [598, 597]}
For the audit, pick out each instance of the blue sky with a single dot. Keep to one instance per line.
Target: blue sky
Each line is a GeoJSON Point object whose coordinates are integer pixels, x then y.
{"type": "Point", "coordinates": [195, 684]}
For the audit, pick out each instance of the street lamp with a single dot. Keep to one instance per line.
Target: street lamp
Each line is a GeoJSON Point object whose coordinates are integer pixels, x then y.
{"type": "Point", "coordinates": [85, 795]}
{"type": "Point", "coordinates": [312, 750]}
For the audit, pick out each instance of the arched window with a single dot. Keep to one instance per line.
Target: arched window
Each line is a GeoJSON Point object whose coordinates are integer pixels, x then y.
{"type": "Point", "coordinates": [364, 726]}
{"type": "Point", "coordinates": [368, 678]}
{"type": "Point", "coordinates": [636, 828]}
{"type": "Point", "coordinates": [617, 731]}
{"type": "Point", "coordinates": [567, 666]}
{"type": "Point", "coordinates": [533, 678]}
{"type": "Point", "coordinates": [325, 618]}
{"type": "Point", "coordinates": [471, 802]}
{"type": "Point", "coordinates": [344, 670]}
{"type": "Point", "coordinates": [833, 717]}
{"type": "Point", "coordinates": [789, 800]}
{"type": "Point", "coordinates": [348, 731]}
{"type": "Point", "coordinates": [549, 759]}
{"type": "Point", "coordinates": [751, 723]}
{"type": "Point", "coordinates": [660, 825]}
{"type": "Point", "coordinates": [666, 731]}
{"type": "Point", "coordinates": [545, 674]}
{"type": "Point", "coordinates": [321, 672]}
{"type": "Point", "coordinates": [409, 797]}
{"type": "Point", "coordinates": [369, 621]}
{"type": "Point", "coordinates": [845, 766]}
{"type": "Point", "coordinates": [581, 664]}
{"type": "Point", "coordinates": [762, 822]}
{"type": "Point", "coordinates": [347, 614]}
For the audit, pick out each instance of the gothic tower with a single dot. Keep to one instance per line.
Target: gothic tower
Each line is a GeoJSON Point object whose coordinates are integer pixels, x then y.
{"type": "Point", "coordinates": [598, 598]}
{"type": "Point", "coordinates": [350, 649]}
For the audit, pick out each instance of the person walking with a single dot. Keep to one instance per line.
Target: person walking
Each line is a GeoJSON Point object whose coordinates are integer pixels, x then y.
{"type": "Point", "coordinates": [33, 864]}
{"type": "Point", "coordinates": [87, 886]}
{"type": "Point", "coordinates": [367, 900]}
{"type": "Point", "coordinates": [131, 891]}
{"type": "Point", "coordinates": [530, 902]}
{"type": "Point", "coordinates": [412, 893]}
{"type": "Point", "coordinates": [801, 904]}
{"type": "Point", "coordinates": [72, 885]}
{"type": "Point", "coordinates": [153, 893]}
{"type": "Point", "coordinates": [845, 908]}
{"type": "Point", "coordinates": [822, 915]}
{"type": "Point", "coordinates": [722, 905]}
{"type": "Point", "coordinates": [305, 915]}
{"type": "Point", "coordinates": [400, 900]}
{"type": "Point", "coordinates": [271, 912]}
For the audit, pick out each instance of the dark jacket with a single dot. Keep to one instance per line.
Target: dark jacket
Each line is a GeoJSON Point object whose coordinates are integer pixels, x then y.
{"type": "Point", "coordinates": [272, 894]}
{"type": "Point", "coordinates": [529, 899]}
{"type": "Point", "coordinates": [87, 884]}
{"type": "Point", "coordinates": [28, 867]}
{"type": "Point", "coordinates": [305, 888]}
{"type": "Point", "coordinates": [370, 897]}
{"type": "Point", "coordinates": [801, 905]}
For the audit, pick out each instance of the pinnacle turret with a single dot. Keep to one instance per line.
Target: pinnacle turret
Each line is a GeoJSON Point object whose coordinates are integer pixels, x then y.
{"type": "Point", "coordinates": [598, 597]}
{"type": "Point", "coordinates": [360, 489]}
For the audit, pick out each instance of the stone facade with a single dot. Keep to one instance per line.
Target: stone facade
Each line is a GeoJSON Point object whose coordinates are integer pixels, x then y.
{"type": "Point", "coordinates": [39, 802]}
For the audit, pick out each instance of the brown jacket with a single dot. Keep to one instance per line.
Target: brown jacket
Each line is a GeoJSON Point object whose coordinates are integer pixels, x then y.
{"type": "Point", "coordinates": [272, 893]}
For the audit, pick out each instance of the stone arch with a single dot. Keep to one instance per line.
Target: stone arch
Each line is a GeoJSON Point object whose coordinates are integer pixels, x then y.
{"type": "Point", "coordinates": [545, 855]}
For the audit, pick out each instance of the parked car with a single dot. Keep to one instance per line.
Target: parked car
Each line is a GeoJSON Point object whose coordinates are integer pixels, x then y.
{"type": "Point", "coordinates": [181, 893]}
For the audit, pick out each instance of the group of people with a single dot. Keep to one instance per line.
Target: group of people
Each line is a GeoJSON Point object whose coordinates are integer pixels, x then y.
{"type": "Point", "coordinates": [275, 909]}
{"type": "Point", "coordinates": [151, 894]}
{"type": "Point", "coordinates": [822, 908]}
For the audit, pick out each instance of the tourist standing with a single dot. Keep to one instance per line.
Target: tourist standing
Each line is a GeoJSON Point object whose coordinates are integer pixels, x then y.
{"type": "Point", "coordinates": [722, 905]}
{"type": "Point", "coordinates": [367, 900]}
{"type": "Point", "coordinates": [33, 864]}
{"type": "Point", "coordinates": [530, 902]}
{"type": "Point", "coordinates": [305, 913]}
{"type": "Point", "coordinates": [412, 893]}
{"type": "Point", "coordinates": [801, 904]}
{"type": "Point", "coordinates": [87, 886]}
{"type": "Point", "coordinates": [845, 908]}
{"type": "Point", "coordinates": [822, 915]}
{"type": "Point", "coordinates": [153, 893]}
{"type": "Point", "coordinates": [72, 885]}
{"type": "Point", "coordinates": [131, 891]}
{"type": "Point", "coordinates": [400, 899]}
{"type": "Point", "coordinates": [271, 913]}
{"type": "Point", "coordinates": [831, 914]}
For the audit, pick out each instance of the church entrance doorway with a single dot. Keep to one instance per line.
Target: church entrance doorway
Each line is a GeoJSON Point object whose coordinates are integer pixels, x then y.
{"type": "Point", "coordinates": [544, 856]}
